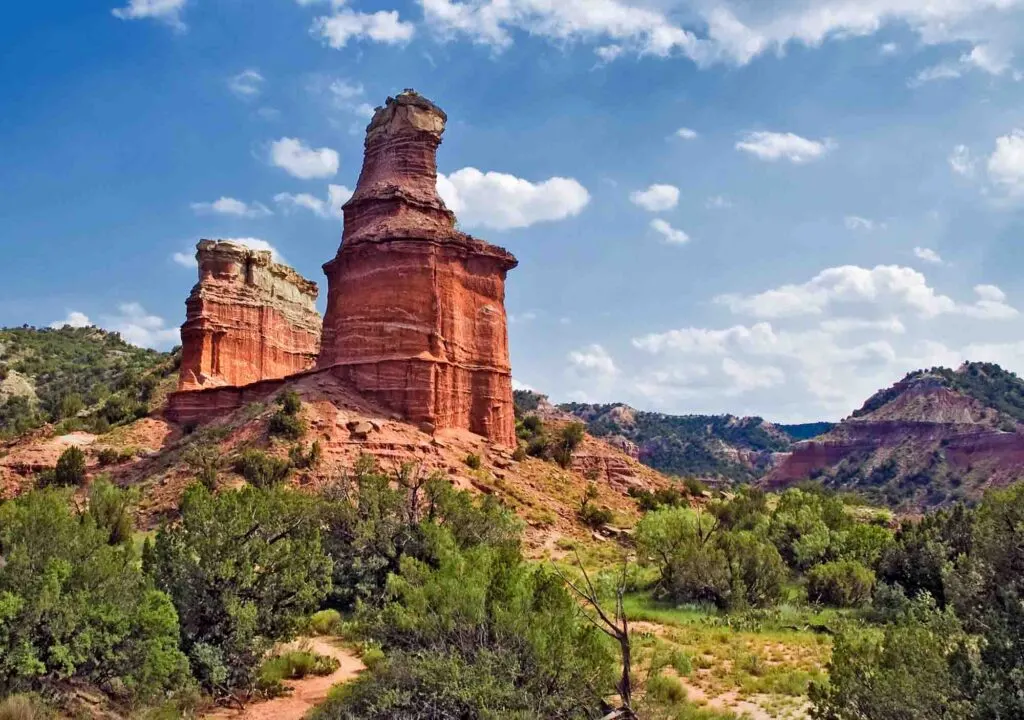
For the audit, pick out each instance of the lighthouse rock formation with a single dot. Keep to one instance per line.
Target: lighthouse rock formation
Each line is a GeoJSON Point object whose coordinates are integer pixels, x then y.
{"type": "Point", "coordinates": [415, 318]}
{"type": "Point", "coordinates": [248, 319]}
{"type": "Point", "coordinates": [416, 309]}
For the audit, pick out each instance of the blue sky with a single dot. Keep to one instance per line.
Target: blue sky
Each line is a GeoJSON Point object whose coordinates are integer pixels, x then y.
{"type": "Point", "coordinates": [764, 208]}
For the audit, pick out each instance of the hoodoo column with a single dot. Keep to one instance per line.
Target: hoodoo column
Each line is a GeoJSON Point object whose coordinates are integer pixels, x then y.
{"type": "Point", "coordinates": [416, 309]}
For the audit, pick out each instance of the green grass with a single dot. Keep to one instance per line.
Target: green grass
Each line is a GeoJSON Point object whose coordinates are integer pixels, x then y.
{"type": "Point", "coordinates": [293, 665]}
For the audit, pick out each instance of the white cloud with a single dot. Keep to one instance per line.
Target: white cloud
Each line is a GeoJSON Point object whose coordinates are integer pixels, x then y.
{"type": "Point", "coordinates": [516, 385]}
{"type": "Point", "coordinates": [772, 146]}
{"type": "Point", "coordinates": [247, 84]}
{"type": "Point", "coordinates": [718, 202]}
{"type": "Point", "coordinates": [383, 26]}
{"type": "Point", "coordinates": [617, 25]}
{"type": "Point", "coordinates": [962, 162]}
{"type": "Point", "coordinates": [668, 233]}
{"type": "Point", "coordinates": [302, 161]}
{"type": "Point", "coordinates": [889, 48]}
{"type": "Point", "coordinates": [337, 195]}
{"type": "Point", "coordinates": [135, 325]}
{"type": "Point", "coordinates": [231, 206]}
{"type": "Point", "coordinates": [842, 326]}
{"type": "Point", "coordinates": [519, 318]}
{"type": "Point", "coordinates": [138, 327]}
{"type": "Point", "coordinates": [607, 53]}
{"type": "Point", "coordinates": [686, 133]}
{"type": "Point", "coordinates": [168, 11]}
{"type": "Point", "coordinates": [745, 378]}
{"type": "Point", "coordinates": [500, 201]}
{"type": "Point", "coordinates": [1006, 164]}
{"type": "Point", "coordinates": [928, 255]}
{"type": "Point", "coordinates": [885, 286]}
{"type": "Point", "coordinates": [592, 360]}
{"type": "Point", "coordinates": [74, 319]}
{"type": "Point", "coordinates": [188, 259]}
{"type": "Point", "coordinates": [856, 222]}
{"type": "Point", "coordinates": [656, 198]}
{"type": "Point", "coordinates": [987, 58]}
{"type": "Point", "coordinates": [731, 31]}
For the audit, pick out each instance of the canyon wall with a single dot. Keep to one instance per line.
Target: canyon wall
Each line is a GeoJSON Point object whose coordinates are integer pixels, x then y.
{"type": "Point", "coordinates": [248, 319]}
{"type": "Point", "coordinates": [416, 309]}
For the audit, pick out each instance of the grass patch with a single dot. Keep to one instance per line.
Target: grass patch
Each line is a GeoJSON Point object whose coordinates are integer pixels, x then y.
{"type": "Point", "coordinates": [293, 665]}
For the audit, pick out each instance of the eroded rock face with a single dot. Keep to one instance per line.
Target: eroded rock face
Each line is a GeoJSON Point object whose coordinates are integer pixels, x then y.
{"type": "Point", "coordinates": [416, 309]}
{"type": "Point", "coordinates": [248, 319]}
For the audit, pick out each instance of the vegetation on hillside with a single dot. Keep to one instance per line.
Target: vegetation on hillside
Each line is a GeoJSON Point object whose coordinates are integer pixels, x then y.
{"type": "Point", "coordinates": [83, 378]}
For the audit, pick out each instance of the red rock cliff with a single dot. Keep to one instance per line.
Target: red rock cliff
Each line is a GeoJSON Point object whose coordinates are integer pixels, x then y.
{"type": "Point", "coordinates": [248, 319]}
{"type": "Point", "coordinates": [416, 309]}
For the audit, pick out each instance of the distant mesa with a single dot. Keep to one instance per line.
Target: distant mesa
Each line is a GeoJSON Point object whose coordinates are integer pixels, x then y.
{"type": "Point", "coordinates": [415, 317]}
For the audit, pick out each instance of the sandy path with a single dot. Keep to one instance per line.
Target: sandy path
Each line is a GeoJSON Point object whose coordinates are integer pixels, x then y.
{"type": "Point", "coordinates": [306, 693]}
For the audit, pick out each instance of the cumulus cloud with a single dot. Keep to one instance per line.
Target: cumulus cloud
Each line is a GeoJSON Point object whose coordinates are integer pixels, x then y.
{"type": "Point", "coordinates": [656, 198]}
{"type": "Point", "coordinates": [986, 58]}
{"type": "Point", "coordinates": [168, 11]}
{"type": "Point", "coordinates": [1006, 163]}
{"type": "Point", "coordinates": [500, 201]}
{"type": "Point", "coordinates": [928, 255]}
{"type": "Point", "coordinates": [231, 206]}
{"type": "Point", "coordinates": [886, 286]}
{"type": "Point", "coordinates": [731, 31]}
{"type": "Point", "coordinates": [773, 146]}
{"type": "Point", "coordinates": [668, 233]}
{"type": "Point", "coordinates": [383, 26]}
{"type": "Point", "coordinates": [135, 325]}
{"type": "Point", "coordinates": [74, 319]}
{"type": "Point", "coordinates": [337, 195]}
{"type": "Point", "coordinates": [686, 133]}
{"type": "Point", "coordinates": [247, 84]}
{"type": "Point", "coordinates": [301, 161]}
{"type": "Point", "coordinates": [592, 360]}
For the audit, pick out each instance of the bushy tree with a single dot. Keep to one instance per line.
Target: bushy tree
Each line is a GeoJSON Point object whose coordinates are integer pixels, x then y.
{"type": "Point", "coordinates": [843, 583]}
{"type": "Point", "coordinates": [262, 469]}
{"type": "Point", "coordinates": [110, 508]}
{"type": "Point", "coordinates": [699, 561]}
{"type": "Point", "coordinates": [906, 672]}
{"type": "Point", "coordinates": [481, 634]}
{"type": "Point", "coordinates": [372, 520]}
{"type": "Point", "coordinates": [70, 468]}
{"type": "Point", "coordinates": [244, 569]}
{"type": "Point", "coordinates": [806, 526]}
{"type": "Point", "coordinates": [74, 604]}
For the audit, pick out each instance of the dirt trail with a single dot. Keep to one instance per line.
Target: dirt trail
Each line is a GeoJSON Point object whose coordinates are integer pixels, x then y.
{"type": "Point", "coordinates": [306, 693]}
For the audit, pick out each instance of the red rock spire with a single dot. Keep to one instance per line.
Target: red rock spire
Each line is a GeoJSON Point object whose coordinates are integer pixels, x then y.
{"type": "Point", "coordinates": [415, 308]}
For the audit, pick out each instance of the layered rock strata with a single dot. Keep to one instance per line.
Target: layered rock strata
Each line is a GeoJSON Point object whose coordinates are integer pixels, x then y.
{"type": "Point", "coordinates": [248, 319]}
{"type": "Point", "coordinates": [416, 309]}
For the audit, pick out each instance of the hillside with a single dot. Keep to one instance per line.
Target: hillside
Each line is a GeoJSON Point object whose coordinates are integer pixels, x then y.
{"type": "Point", "coordinates": [934, 437]}
{"type": "Point", "coordinates": [83, 378]}
{"type": "Point", "coordinates": [714, 447]}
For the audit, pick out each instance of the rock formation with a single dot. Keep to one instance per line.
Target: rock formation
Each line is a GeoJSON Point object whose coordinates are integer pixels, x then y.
{"type": "Point", "coordinates": [415, 309]}
{"type": "Point", "coordinates": [248, 319]}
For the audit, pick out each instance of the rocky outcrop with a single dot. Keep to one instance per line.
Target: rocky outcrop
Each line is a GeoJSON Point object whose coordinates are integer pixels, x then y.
{"type": "Point", "coordinates": [248, 319]}
{"type": "Point", "coordinates": [924, 441]}
{"type": "Point", "coordinates": [416, 309]}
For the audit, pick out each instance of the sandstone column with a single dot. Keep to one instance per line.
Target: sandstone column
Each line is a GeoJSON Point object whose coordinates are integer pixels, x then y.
{"type": "Point", "coordinates": [248, 319]}
{"type": "Point", "coordinates": [415, 308]}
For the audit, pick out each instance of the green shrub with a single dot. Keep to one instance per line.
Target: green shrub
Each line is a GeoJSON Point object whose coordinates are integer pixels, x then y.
{"type": "Point", "coordinates": [595, 517]}
{"type": "Point", "coordinates": [325, 622]}
{"type": "Point", "coordinates": [293, 665]}
{"type": "Point", "coordinates": [111, 509]}
{"type": "Point", "coordinates": [666, 689]}
{"type": "Point", "coordinates": [844, 583]}
{"type": "Point", "coordinates": [473, 461]}
{"type": "Point", "coordinates": [285, 425]}
{"type": "Point", "coordinates": [695, 486]}
{"type": "Point", "coordinates": [205, 461]}
{"type": "Point", "coordinates": [74, 606]}
{"type": "Point", "coordinates": [290, 402]}
{"type": "Point", "coordinates": [261, 469]}
{"type": "Point", "coordinates": [269, 571]}
{"type": "Point", "coordinates": [372, 658]}
{"type": "Point", "coordinates": [70, 468]}
{"type": "Point", "coordinates": [303, 460]}
{"type": "Point", "coordinates": [519, 454]}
